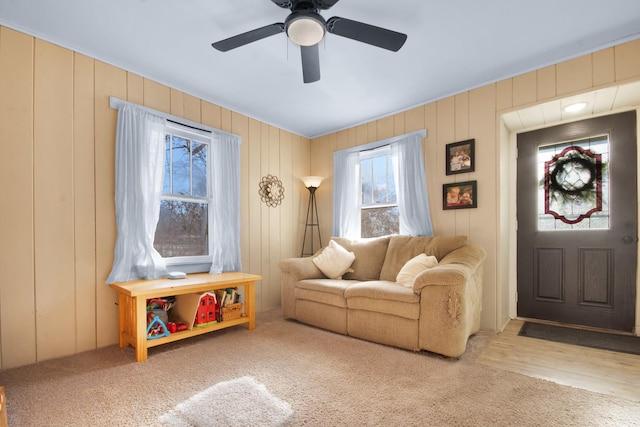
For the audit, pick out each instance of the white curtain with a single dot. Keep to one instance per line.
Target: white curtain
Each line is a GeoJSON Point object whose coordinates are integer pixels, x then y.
{"type": "Point", "coordinates": [346, 180]}
{"type": "Point", "coordinates": [140, 147]}
{"type": "Point", "coordinates": [413, 202]}
{"type": "Point", "coordinates": [225, 186]}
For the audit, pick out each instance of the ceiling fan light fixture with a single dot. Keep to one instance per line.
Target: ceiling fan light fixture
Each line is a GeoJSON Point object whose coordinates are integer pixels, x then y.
{"type": "Point", "coordinates": [305, 29]}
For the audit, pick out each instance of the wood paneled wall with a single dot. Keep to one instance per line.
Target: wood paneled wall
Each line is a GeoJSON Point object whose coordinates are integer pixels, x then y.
{"type": "Point", "coordinates": [476, 114]}
{"type": "Point", "coordinates": [57, 222]}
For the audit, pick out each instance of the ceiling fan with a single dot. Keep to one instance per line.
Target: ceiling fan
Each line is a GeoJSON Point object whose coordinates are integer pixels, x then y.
{"type": "Point", "coordinates": [306, 27]}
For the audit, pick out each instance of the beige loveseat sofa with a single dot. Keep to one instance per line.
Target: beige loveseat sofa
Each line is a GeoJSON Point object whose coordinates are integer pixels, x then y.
{"type": "Point", "coordinates": [436, 312]}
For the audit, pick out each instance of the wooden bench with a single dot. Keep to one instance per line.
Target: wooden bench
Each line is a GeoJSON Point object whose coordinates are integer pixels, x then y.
{"type": "Point", "coordinates": [3, 408]}
{"type": "Point", "coordinates": [132, 306]}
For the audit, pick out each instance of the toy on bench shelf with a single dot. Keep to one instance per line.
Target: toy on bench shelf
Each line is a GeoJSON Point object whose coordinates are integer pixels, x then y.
{"type": "Point", "coordinates": [176, 327]}
{"type": "Point", "coordinates": [156, 327]}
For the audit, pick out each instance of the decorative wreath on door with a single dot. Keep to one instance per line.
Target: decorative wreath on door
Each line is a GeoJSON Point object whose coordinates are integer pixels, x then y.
{"type": "Point", "coordinates": [271, 191]}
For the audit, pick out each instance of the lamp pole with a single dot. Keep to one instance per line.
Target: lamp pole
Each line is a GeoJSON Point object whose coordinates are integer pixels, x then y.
{"type": "Point", "coordinates": [312, 183]}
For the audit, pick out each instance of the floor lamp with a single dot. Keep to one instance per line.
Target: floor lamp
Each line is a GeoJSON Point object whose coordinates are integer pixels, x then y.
{"type": "Point", "coordinates": [312, 183]}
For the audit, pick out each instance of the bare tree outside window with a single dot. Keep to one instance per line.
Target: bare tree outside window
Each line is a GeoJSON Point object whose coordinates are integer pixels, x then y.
{"type": "Point", "coordinates": [377, 222]}
{"type": "Point", "coordinates": [182, 229]}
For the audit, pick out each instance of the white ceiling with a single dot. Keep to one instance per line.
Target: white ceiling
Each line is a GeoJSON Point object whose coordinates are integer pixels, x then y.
{"type": "Point", "coordinates": [452, 46]}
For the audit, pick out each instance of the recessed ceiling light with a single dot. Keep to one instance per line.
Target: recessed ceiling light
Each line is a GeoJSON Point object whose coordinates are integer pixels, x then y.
{"type": "Point", "coordinates": [574, 108]}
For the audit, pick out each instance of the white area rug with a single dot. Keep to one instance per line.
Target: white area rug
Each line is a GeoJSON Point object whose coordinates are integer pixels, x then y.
{"type": "Point", "coordinates": [240, 402]}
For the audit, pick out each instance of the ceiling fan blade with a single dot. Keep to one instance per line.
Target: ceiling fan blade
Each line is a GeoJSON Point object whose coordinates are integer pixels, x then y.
{"type": "Point", "coordinates": [248, 37]}
{"type": "Point", "coordinates": [319, 4]}
{"type": "Point", "coordinates": [365, 33]}
{"type": "Point", "coordinates": [287, 4]}
{"type": "Point", "coordinates": [310, 63]}
{"type": "Point", "coordinates": [325, 4]}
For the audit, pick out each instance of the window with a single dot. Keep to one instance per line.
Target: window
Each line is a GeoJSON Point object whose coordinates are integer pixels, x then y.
{"type": "Point", "coordinates": [380, 188]}
{"type": "Point", "coordinates": [378, 202]}
{"type": "Point", "coordinates": [573, 185]}
{"type": "Point", "coordinates": [177, 196]}
{"type": "Point", "coordinates": [182, 234]}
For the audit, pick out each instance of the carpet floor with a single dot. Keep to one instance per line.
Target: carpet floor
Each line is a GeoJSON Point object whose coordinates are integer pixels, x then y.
{"type": "Point", "coordinates": [585, 338]}
{"type": "Point", "coordinates": [238, 402]}
{"type": "Point", "coordinates": [324, 378]}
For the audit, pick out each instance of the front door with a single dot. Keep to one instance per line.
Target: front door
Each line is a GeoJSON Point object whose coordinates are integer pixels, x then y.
{"type": "Point", "coordinates": [577, 230]}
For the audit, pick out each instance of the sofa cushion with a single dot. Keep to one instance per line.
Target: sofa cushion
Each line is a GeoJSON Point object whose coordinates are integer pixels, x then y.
{"type": "Point", "coordinates": [369, 254]}
{"type": "Point", "coordinates": [383, 297]}
{"type": "Point", "coordinates": [381, 289]}
{"type": "Point", "coordinates": [320, 297]}
{"type": "Point", "coordinates": [441, 246]}
{"type": "Point", "coordinates": [325, 291]}
{"type": "Point", "coordinates": [402, 248]}
{"type": "Point", "coordinates": [330, 286]}
{"type": "Point", "coordinates": [334, 260]}
{"type": "Point", "coordinates": [413, 267]}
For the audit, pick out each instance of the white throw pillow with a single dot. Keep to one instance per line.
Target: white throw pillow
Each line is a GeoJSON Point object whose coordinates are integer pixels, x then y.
{"type": "Point", "coordinates": [413, 267]}
{"type": "Point", "coordinates": [334, 261]}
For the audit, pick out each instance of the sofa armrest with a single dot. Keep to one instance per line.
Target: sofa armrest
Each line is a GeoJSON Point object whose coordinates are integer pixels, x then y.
{"type": "Point", "coordinates": [454, 269]}
{"type": "Point", "coordinates": [300, 268]}
{"type": "Point", "coordinates": [292, 271]}
{"type": "Point", "coordinates": [442, 275]}
{"type": "Point", "coordinates": [451, 301]}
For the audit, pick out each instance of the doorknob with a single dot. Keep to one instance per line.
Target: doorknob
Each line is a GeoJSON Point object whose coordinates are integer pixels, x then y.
{"type": "Point", "coordinates": [628, 239]}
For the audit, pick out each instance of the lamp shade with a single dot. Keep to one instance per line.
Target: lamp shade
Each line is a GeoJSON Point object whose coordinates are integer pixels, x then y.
{"type": "Point", "coordinates": [312, 181]}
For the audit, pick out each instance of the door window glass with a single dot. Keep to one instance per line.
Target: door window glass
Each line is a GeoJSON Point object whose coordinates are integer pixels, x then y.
{"type": "Point", "coordinates": [573, 185]}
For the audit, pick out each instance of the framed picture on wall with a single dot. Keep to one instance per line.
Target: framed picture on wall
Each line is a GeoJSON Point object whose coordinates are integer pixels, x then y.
{"type": "Point", "coordinates": [460, 195]}
{"type": "Point", "coordinates": [461, 157]}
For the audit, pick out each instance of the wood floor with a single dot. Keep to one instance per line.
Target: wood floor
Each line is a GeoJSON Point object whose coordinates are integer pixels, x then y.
{"type": "Point", "coordinates": [596, 370]}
